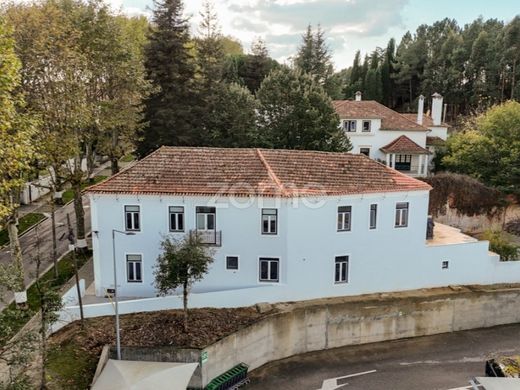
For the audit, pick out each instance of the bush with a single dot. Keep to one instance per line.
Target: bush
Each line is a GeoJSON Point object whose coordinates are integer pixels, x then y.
{"type": "Point", "coordinates": [502, 247]}
{"type": "Point", "coordinates": [465, 194]}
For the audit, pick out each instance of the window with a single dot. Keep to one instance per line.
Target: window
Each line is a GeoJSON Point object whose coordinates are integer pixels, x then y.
{"type": "Point", "coordinates": [365, 151]}
{"type": "Point", "coordinates": [341, 270]}
{"type": "Point", "coordinates": [403, 162]}
{"type": "Point", "coordinates": [134, 268]}
{"type": "Point", "coordinates": [269, 221]}
{"type": "Point", "coordinates": [231, 262]}
{"type": "Point", "coordinates": [349, 126]}
{"type": "Point", "coordinates": [445, 264]}
{"type": "Point", "coordinates": [367, 126]}
{"type": "Point", "coordinates": [132, 220]}
{"type": "Point", "coordinates": [373, 216]}
{"type": "Point", "coordinates": [176, 218]}
{"type": "Point", "coordinates": [205, 218]}
{"type": "Point", "coordinates": [344, 218]}
{"type": "Point", "coordinates": [401, 214]}
{"type": "Point", "coordinates": [269, 269]}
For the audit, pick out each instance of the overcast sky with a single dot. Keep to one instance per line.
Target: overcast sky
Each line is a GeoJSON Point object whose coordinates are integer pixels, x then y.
{"type": "Point", "coordinates": [350, 25]}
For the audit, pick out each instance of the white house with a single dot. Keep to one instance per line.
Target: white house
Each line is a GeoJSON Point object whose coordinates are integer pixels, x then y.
{"type": "Point", "coordinates": [406, 142]}
{"type": "Point", "coordinates": [285, 225]}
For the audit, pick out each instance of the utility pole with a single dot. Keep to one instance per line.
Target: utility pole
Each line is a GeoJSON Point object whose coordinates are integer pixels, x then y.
{"type": "Point", "coordinates": [73, 250]}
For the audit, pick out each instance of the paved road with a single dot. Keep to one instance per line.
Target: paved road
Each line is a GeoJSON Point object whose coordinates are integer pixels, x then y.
{"type": "Point", "coordinates": [28, 240]}
{"type": "Point", "coordinates": [444, 361]}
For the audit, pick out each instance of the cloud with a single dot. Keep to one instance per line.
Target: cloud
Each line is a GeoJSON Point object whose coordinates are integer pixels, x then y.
{"type": "Point", "coordinates": [282, 22]}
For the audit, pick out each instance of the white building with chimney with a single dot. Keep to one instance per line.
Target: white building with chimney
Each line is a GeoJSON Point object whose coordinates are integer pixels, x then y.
{"type": "Point", "coordinates": [284, 225]}
{"type": "Point", "coordinates": [405, 142]}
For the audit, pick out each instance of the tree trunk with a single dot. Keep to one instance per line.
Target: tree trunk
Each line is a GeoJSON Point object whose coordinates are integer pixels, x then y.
{"type": "Point", "coordinates": [90, 156]}
{"type": "Point", "coordinates": [513, 80]}
{"type": "Point", "coordinates": [410, 91]}
{"type": "Point", "coordinates": [54, 240]}
{"type": "Point", "coordinates": [185, 304]}
{"type": "Point", "coordinates": [114, 164]}
{"type": "Point", "coordinates": [79, 212]}
{"type": "Point", "coordinates": [114, 161]}
{"type": "Point", "coordinates": [16, 257]}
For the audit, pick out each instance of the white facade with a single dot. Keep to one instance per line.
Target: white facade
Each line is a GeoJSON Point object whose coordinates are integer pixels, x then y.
{"type": "Point", "coordinates": [368, 137]}
{"type": "Point", "coordinates": [387, 258]}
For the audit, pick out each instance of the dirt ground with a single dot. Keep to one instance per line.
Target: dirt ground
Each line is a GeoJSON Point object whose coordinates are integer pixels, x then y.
{"type": "Point", "coordinates": [159, 328]}
{"type": "Point", "coordinates": [75, 351]}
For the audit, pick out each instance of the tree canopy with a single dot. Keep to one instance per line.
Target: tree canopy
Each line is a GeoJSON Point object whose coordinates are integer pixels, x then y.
{"type": "Point", "coordinates": [473, 67]}
{"type": "Point", "coordinates": [489, 148]}
{"type": "Point", "coordinates": [295, 112]}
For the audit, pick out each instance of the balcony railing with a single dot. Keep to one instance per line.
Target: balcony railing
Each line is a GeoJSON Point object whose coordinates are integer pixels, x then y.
{"type": "Point", "coordinates": [209, 237]}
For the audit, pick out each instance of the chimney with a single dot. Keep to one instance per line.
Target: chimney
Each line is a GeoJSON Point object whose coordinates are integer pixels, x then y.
{"type": "Point", "coordinates": [420, 110]}
{"type": "Point", "coordinates": [437, 109]}
{"type": "Point", "coordinates": [358, 96]}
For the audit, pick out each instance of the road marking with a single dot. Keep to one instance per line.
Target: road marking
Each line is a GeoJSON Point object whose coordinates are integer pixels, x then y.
{"type": "Point", "coordinates": [332, 384]}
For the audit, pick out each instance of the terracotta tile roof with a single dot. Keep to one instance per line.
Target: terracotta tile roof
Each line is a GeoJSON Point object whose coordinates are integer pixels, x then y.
{"type": "Point", "coordinates": [370, 109]}
{"type": "Point", "coordinates": [403, 144]}
{"type": "Point", "coordinates": [427, 120]}
{"type": "Point", "coordinates": [435, 141]}
{"type": "Point", "coordinates": [256, 172]}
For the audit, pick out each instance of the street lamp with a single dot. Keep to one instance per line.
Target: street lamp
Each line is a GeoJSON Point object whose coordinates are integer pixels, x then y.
{"type": "Point", "coordinates": [118, 337]}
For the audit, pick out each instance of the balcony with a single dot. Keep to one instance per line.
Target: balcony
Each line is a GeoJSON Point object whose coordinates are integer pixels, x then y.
{"type": "Point", "coordinates": [209, 237]}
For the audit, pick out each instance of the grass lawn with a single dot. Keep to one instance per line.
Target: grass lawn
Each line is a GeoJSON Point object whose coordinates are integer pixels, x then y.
{"type": "Point", "coordinates": [127, 158]}
{"type": "Point", "coordinates": [70, 366]}
{"type": "Point", "coordinates": [24, 223]}
{"type": "Point", "coordinates": [69, 194]}
{"type": "Point", "coordinates": [14, 319]}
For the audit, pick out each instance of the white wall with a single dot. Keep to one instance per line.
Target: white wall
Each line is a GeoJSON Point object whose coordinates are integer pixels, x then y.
{"type": "Point", "coordinates": [438, 131]}
{"type": "Point", "coordinates": [376, 138]}
{"type": "Point", "coordinates": [384, 259]}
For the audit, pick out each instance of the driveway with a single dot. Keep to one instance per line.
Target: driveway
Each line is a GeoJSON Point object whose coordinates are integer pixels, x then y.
{"type": "Point", "coordinates": [445, 361]}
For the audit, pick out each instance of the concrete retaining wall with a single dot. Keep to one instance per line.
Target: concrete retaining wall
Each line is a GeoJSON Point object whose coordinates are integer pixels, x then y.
{"type": "Point", "coordinates": [325, 325]}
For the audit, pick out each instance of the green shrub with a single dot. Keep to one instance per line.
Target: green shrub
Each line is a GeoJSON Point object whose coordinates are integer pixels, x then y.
{"type": "Point", "coordinates": [502, 247]}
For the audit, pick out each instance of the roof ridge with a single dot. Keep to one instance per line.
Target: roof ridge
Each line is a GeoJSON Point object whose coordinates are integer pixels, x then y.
{"type": "Point", "coordinates": [270, 172]}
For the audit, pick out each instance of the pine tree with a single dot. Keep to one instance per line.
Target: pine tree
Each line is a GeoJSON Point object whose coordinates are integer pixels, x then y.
{"type": "Point", "coordinates": [314, 58]}
{"type": "Point", "coordinates": [387, 72]}
{"type": "Point", "coordinates": [172, 111]}
{"type": "Point", "coordinates": [305, 58]}
{"type": "Point", "coordinates": [257, 65]}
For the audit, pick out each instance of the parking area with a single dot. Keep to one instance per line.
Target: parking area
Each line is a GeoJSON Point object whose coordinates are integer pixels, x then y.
{"type": "Point", "coordinates": [441, 362]}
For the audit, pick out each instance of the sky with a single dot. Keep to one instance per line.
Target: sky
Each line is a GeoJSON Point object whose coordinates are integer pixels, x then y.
{"type": "Point", "coordinates": [350, 25]}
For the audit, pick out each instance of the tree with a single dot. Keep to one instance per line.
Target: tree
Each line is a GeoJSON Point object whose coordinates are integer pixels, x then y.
{"type": "Point", "coordinates": [234, 124]}
{"type": "Point", "coordinates": [249, 70]}
{"type": "Point", "coordinates": [171, 112]}
{"type": "Point", "coordinates": [210, 65]}
{"type": "Point", "coordinates": [210, 51]}
{"type": "Point", "coordinates": [119, 81]}
{"type": "Point", "coordinates": [512, 51]}
{"type": "Point", "coordinates": [387, 74]}
{"type": "Point", "coordinates": [489, 148]}
{"type": "Point", "coordinates": [182, 263]}
{"type": "Point", "coordinates": [314, 58]}
{"type": "Point", "coordinates": [16, 152]}
{"type": "Point", "coordinates": [296, 113]}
